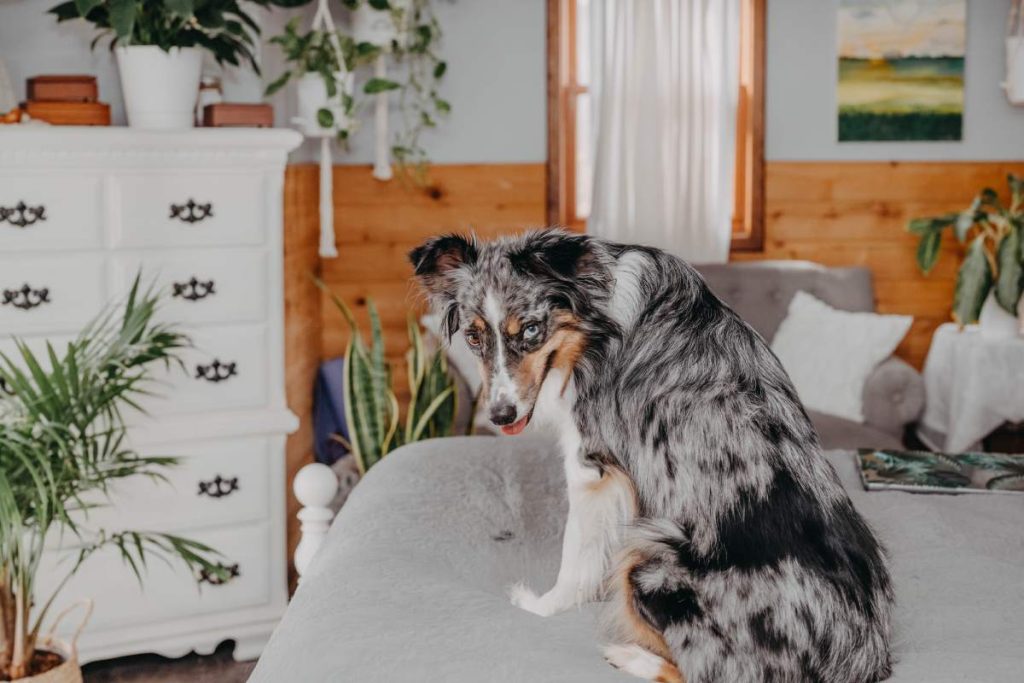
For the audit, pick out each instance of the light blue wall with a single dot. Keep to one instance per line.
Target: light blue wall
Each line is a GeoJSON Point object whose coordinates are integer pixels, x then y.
{"type": "Point", "coordinates": [495, 80]}
{"type": "Point", "coordinates": [800, 105]}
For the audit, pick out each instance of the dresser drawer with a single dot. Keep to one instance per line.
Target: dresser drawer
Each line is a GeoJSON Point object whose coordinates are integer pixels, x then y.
{"type": "Point", "coordinates": [214, 286]}
{"type": "Point", "coordinates": [168, 591]}
{"type": "Point", "coordinates": [54, 293]}
{"type": "Point", "coordinates": [190, 209]}
{"type": "Point", "coordinates": [227, 369]}
{"type": "Point", "coordinates": [49, 211]}
{"type": "Point", "coordinates": [217, 482]}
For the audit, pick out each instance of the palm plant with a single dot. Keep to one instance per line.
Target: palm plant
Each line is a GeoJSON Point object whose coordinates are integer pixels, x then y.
{"type": "Point", "coordinates": [995, 255]}
{"type": "Point", "coordinates": [62, 446]}
{"type": "Point", "coordinates": [372, 412]}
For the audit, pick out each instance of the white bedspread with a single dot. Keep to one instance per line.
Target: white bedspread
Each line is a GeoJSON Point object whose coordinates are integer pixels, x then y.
{"type": "Point", "coordinates": [410, 585]}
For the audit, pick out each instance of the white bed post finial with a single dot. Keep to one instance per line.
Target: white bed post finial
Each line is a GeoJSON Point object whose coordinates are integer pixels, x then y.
{"type": "Point", "coordinates": [315, 487]}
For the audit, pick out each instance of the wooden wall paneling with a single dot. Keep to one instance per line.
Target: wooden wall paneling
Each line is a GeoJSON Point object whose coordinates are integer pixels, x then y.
{"type": "Point", "coordinates": [855, 213]}
{"type": "Point", "coordinates": [378, 223]}
{"type": "Point", "coordinates": [303, 322]}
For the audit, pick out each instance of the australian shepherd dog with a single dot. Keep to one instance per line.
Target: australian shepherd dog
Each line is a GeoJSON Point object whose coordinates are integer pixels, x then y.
{"type": "Point", "coordinates": [700, 505]}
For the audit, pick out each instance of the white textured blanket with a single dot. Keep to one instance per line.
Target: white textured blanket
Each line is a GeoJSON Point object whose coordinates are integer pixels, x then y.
{"type": "Point", "coordinates": [410, 585]}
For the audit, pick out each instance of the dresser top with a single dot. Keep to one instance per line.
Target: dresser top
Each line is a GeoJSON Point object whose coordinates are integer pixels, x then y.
{"type": "Point", "coordinates": [114, 138]}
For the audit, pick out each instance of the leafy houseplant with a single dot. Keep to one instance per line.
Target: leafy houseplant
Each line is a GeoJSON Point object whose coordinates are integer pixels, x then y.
{"type": "Point", "coordinates": [159, 45]}
{"type": "Point", "coordinates": [322, 62]}
{"type": "Point", "coordinates": [994, 262]}
{"type": "Point", "coordinates": [414, 42]}
{"type": "Point", "coordinates": [62, 446]}
{"type": "Point", "coordinates": [371, 407]}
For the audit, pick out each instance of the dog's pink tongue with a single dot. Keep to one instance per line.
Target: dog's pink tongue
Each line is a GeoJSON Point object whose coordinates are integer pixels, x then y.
{"type": "Point", "coordinates": [516, 427]}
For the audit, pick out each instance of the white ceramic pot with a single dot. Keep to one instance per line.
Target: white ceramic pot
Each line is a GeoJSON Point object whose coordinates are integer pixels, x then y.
{"type": "Point", "coordinates": [160, 88]}
{"type": "Point", "coordinates": [69, 670]}
{"type": "Point", "coordinates": [377, 26]}
{"type": "Point", "coordinates": [312, 93]}
{"type": "Point", "coordinates": [995, 322]}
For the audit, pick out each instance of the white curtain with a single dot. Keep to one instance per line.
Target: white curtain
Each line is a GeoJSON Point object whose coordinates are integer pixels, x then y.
{"type": "Point", "coordinates": [664, 84]}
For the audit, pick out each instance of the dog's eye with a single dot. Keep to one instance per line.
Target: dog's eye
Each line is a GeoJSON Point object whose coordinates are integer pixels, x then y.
{"type": "Point", "coordinates": [473, 338]}
{"type": "Point", "coordinates": [531, 331]}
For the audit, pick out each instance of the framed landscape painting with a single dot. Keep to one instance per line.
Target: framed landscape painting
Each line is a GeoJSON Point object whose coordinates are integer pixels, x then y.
{"type": "Point", "coordinates": [901, 69]}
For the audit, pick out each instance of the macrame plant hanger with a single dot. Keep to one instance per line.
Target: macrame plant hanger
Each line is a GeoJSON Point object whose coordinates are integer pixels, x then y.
{"type": "Point", "coordinates": [322, 21]}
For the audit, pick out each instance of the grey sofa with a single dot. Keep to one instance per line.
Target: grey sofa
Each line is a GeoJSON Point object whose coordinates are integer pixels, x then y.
{"type": "Point", "coordinates": [760, 293]}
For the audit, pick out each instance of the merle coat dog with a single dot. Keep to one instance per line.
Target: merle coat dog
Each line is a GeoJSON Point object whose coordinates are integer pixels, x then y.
{"type": "Point", "coordinates": [699, 501]}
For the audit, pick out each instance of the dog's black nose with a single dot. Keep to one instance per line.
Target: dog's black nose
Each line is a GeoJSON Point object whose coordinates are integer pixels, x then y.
{"type": "Point", "coordinates": [504, 414]}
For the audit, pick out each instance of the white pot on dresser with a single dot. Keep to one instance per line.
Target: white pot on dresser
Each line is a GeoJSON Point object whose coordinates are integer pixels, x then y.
{"type": "Point", "coordinates": [200, 211]}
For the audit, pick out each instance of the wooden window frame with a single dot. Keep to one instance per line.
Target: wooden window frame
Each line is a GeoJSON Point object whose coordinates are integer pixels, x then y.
{"type": "Point", "coordinates": [562, 92]}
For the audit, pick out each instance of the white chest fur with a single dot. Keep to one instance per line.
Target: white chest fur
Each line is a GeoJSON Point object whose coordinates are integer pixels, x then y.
{"type": "Point", "coordinates": [201, 213]}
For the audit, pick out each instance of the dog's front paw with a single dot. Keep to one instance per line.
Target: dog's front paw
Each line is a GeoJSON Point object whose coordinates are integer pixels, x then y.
{"type": "Point", "coordinates": [524, 598]}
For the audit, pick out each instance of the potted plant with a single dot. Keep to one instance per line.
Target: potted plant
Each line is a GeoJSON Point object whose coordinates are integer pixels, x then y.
{"type": "Point", "coordinates": [321, 62]}
{"type": "Point", "coordinates": [62, 445]}
{"type": "Point", "coordinates": [159, 47]}
{"type": "Point", "coordinates": [372, 412]}
{"type": "Point", "coordinates": [408, 31]}
{"type": "Point", "coordinates": [991, 277]}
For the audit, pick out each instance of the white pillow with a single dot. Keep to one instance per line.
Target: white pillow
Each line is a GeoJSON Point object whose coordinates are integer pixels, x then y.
{"type": "Point", "coordinates": [830, 354]}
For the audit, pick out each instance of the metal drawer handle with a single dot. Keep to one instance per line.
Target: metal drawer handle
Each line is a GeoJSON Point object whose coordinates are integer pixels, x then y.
{"type": "Point", "coordinates": [21, 215]}
{"type": "Point", "coordinates": [218, 487]}
{"type": "Point", "coordinates": [191, 211]}
{"type": "Point", "coordinates": [216, 371]}
{"type": "Point", "coordinates": [193, 290]}
{"type": "Point", "coordinates": [233, 572]}
{"type": "Point", "coordinates": [26, 298]}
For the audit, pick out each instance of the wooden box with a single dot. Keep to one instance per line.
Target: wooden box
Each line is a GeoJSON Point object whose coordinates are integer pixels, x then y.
{"type": "Point", "coordinates": [226, 114]}
{"type": "Point", "coordinates": [62, 89]}
{"type": "Point", "coordinates": [69, 113]}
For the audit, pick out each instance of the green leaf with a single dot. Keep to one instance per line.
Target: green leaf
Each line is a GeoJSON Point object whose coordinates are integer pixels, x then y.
{"type": "Point", "coordinates": [86, 6]}
{"type": "Point", "coordinates": [183, 9]}
{"type": "Point", "coordinates": [928, 250]}
{"type": "Point", "coordinates": [122, 18]}
{"type": "Point", "coordinates": [439, 69]}
{"type": "Point", "coordinates": [1011, 272]}
{"type": "Point", "coordinates": [325, 118]}
{"type": "Point", "coordinates": [379, 4]}
{"type": "Point", "coordinates": [278, 83]}
{"type": "Point", "coordinates": [973, 283]}
{"type": "Point", "coordinates": [379, 85]}
{"type": "Point", "coordinates": [442, 105]}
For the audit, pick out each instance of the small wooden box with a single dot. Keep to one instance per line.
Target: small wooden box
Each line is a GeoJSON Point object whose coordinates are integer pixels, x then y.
{"type": "Point", "coordinates": [226, 114]}
{"type": "Point", "coordinates": [62, 89]}
{"type": "Point", "coordinates": [69, 113]}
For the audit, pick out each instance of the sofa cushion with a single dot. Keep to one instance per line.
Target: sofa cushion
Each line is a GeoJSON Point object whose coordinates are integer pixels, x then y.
{"type": "Point", "coordinates": [760, 292]}
{"type": "Point", "coordinates": [836, 432]}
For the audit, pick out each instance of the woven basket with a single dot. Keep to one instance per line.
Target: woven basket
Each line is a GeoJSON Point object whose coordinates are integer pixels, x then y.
{"type": "Point", "coordinates": [69, 670]}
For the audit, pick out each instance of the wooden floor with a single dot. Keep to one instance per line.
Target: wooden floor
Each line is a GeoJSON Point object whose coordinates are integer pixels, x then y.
{"type": "Point", "coordinates": [218, 667]}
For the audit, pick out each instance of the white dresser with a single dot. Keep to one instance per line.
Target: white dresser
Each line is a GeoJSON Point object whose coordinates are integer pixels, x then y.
{"type": "Point", "coordinates": [200, 212]}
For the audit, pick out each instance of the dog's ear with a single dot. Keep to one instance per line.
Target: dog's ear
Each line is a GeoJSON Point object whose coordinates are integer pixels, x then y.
{"type": "Point", "coordinates": [555, 253]}
{"type": "Point", "coordinates": [436, 263]}
{"type": "Point", "coordinates": [439, 256]}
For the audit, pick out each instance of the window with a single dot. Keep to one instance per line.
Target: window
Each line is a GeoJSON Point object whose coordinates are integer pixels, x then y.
{"type": "Point", "coordinates": [569, 125]}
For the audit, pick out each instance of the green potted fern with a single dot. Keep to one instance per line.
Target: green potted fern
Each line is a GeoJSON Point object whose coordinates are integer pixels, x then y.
{"type": "Point", "coordinates": [990, 280]}
{"type": "Point", "coordinates": [62, 446]}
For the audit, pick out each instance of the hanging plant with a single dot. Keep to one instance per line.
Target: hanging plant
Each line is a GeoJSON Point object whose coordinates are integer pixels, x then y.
{"type": "Point", "coordinates": [414, 42]}
{"type": "Point", "coordinates": [331, 56]}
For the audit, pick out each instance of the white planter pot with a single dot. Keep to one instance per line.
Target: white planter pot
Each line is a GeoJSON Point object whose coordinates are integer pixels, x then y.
{"type": "Point", "coordinates": [995, 322]}
{"type": "Point", "coordinates": [160, 88]}
{"type": "Point", "coordinates": [312, 94]}
{"type": "Point", "coordinates": [377, 27]}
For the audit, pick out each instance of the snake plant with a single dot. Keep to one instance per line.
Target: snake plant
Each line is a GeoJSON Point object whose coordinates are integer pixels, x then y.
{"type": "Point", "coordinates": [995, 253]}
{"type": "Point", "coordinates": [372, 411]}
